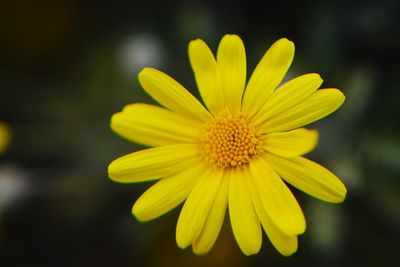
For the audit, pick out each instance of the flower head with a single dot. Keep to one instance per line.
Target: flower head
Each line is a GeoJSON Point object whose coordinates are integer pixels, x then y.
{"type": "Point", "coordinates": [235, 152]}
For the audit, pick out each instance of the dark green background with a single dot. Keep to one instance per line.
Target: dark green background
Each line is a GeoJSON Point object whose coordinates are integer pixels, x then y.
{"type": "Point", "coordinates": [66, 66]}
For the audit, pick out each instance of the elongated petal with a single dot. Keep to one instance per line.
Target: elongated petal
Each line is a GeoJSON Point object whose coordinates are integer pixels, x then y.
{"type": "Point", "coordinates": [166, 194]}
{"type": "Point", "coordinates": [207, 75]}
{"type": "Point", "coordinates": [277, 200]}
{"type": "Point", "coordinates": [214, 221]}
{"type": "Point", "coordinates": [291, 144]}
{"type": "Point", "coordinates": [288, 95]}
{"type": "Point", "coordinates": [171, 94]}
{"type": "Point", "coordinates": [155, 126]}
{"type": "Point", "coordinates": [286, 245]}
{"type": "Point", "coordinates": [153, 163]}
{"type": "Point", "coordinates": [320, 104]}
{"type": "Point", "coordinates": [309, 177]}
{"type": "Point", "coordinates": [231, 58]}
{"type": "Point", "coordinates": [245, 224]}
{"type": "Point", "coordinates": [197, 207]}
{"type": "Point", "coordinates": [267, 75]}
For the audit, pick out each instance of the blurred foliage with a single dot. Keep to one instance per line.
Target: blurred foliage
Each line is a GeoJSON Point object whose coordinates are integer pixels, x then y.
{"type": "Point", "coordinates": [66, 66]}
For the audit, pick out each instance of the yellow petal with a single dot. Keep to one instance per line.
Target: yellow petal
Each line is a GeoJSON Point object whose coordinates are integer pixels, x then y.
{"type": "Point", "coordinates": [288, 95]}
{"type": "Point", "coordinates": [320, 104]}
{"type": "Point", "coordinates": [171, 94]}
{"type": "Point", "coordinates": [166, 194]}
{"type": "Point", "coordinates": [207, 74]}
{"type": "Point", "coordinates": [286, 245]}
{"type": "Point", "coordinates": [245, 224]}
{"type": "Point", "coordinates": [267, 75]}
{"type": "Point", "coordinates": [197, 207]}
{"type": "Point", "coordinates": [277, 200]}
{"type": "Point", "coordinates": [214, 221]}
{"type": "Point", "coordinates": [153, 163]}
{"type": "Point", "coordinates": [155, 126]}
{"type": "Point", "coordinates": [4, 136]}
{"type": "Point", "coordinates": [231, 58]}
{"type": "Point", "coordinates": [309, 177]}
{"type": "Point", "coordinates": [291, 144]}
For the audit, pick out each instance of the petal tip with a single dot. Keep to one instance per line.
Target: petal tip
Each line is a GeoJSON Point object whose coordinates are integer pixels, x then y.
{"type": "Point", "coordinates": [317, 77]}
{"type": "Point", "coordinates": [303, 225]}
{"type": "Point", "coordinates": [315, 136]}
{"type": "Point", "coordinates": [338, 93]}
{"type": "Point", "coordinates": [199, 251]}
{"type": "Point", "coordinates": [144, 70]}
{"type": "Point", "coordinates": [342, 95]}
{"type": "Point", "coordinates": [340, 98]}
{"type": "Point", "coordinates": [115, 118]}
{"type": "Point", "coordinates": [147, 73]}
{"type": "Point", "coordinates": [115, 171]}
{"type": "Point", "coordinates": [142, 76]}
{"type": "Point", "coordinates": [289, 252]}
{"type": "Point", "coordinates": [195, 42]}
{"type": "Point", "coordinates": [113, 178]}
{"type": "Point", "coordinates": [251, 250]}
{"type": "Point", "coordinates": [137, 212]}
{"type": "Point", "coordinates": [342, 193]}
{"type": "Point", "coordinates": [111, 168]}
{"type": "Point", "coordinates": [231, 36]}
{"type": "Point", "coordinates": [285, 41]}
{"type": "Point", "coordinates": [297, 228]}
{"type": "Point", "coordinates": [181, 243]}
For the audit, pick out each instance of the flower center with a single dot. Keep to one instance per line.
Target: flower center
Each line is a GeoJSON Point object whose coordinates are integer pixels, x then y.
{"type": "Point", "coordinates": [230, 141]}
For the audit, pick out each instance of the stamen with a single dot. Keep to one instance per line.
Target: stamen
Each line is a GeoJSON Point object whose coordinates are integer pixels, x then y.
{"type": "Point", "coordinates": [230, 141]}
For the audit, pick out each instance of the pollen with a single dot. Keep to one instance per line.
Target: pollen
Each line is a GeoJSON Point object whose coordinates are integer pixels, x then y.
{"type": "Point", "coordinates": [230, 141]}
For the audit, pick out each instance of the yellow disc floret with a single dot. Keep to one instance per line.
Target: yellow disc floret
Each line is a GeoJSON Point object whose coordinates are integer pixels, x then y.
{"type": "Point", "coordinates": [230, 141]}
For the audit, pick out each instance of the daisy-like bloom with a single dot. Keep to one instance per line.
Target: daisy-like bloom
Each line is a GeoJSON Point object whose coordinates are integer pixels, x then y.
{"type": "Point", "coordinates": [4, 136]}
{"type": "Point", "coordinates": [236, 152]}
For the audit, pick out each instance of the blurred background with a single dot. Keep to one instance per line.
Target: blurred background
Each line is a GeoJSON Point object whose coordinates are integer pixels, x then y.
{"type": "Point", "coordinates": [66, 66]}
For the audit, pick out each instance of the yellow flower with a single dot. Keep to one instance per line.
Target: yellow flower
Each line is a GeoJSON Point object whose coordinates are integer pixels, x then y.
{"type": "Point", "coordinates": [4, 136]}
{"type": "Point", "coordinates": [234, 152]}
